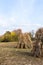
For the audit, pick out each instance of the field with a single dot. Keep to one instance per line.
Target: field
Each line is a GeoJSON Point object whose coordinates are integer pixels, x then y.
{"type": "Point", "coordinates": [9, 55]}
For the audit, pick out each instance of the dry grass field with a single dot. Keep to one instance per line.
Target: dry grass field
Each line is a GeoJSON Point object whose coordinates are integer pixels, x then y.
{"type": "Point", "coordinates": [9, 55]}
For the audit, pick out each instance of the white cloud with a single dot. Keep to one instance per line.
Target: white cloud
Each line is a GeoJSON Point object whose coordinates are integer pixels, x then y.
{"type": "Point", "coordinates": [29, 24]}
{"type": "Point", "coordinates": [8, 21]}
{"type": "Point", "coordinates": [3, 21]}
{"type": "Point", "coordinates": [12, 20]}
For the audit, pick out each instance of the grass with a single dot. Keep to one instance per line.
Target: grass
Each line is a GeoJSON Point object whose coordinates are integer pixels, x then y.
{"type": "Point", "coordinates": [8, 44]}
{"type": "Point", "coordinates": [13, 56]}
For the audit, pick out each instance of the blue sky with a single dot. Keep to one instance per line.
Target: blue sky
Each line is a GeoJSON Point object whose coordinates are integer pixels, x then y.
{"type": "Point", "coordinates": [24, 14]}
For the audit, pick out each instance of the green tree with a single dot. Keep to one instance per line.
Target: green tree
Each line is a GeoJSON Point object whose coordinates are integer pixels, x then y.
{"type": "Point", "coordinates": [6, 37]}
{"type": "Point", "coordinates": [14, 36]}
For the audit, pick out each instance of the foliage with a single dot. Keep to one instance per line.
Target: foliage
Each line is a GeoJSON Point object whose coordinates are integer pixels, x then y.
{"type": "Point", "coordinates": [9, 37]}
{"type": "Point", "coordinates": [6, 37]}
{"type": "Point", "coordinates": [14, 36]}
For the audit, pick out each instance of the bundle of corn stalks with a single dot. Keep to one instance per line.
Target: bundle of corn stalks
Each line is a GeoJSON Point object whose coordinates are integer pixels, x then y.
{"type": "Point", "coordinates": [37, 48]}
{"type": "Point", "coordinates": [24, 41]}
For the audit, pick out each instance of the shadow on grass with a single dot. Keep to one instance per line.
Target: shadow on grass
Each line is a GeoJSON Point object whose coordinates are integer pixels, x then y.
{"type": "Point", "coordinates": [25, 53]}
{"type": "Point", "coordinates": [28, 54]}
